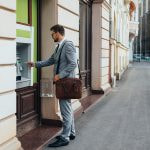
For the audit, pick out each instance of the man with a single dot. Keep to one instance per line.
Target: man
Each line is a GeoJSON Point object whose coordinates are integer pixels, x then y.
{"type": "Point", "coordinates": [68, 62]}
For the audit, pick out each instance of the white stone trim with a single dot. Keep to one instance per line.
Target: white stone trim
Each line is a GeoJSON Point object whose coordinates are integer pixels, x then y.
{"type": "Point", "coordinates": [8, 27]}
{"type": "Point", "coordinates": [11, 144]}
{"type": "Point", "coordinates": [100, 32]}
{"type": "Point", "coordinates": [10, 4]}
{"type": "Point", "coordinates": [8, 106]}
{"type": "Point", "coordinates": [23, 27]}
{"type": "Point", "coordinates": [23, 40]}
{"type": "Point", "coordinates": [7, 128]}
{"type": "Point", "coordinates": [8, 75]}
{"type": "Point", "coordinates": [96, 47]}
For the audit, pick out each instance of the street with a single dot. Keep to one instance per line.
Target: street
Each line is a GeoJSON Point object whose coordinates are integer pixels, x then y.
{"type": "Point", "coordinates": [121, 120]}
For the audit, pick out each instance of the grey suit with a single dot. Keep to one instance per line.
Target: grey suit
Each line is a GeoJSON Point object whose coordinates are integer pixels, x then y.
{"type": "Point", "coordinates": [68, 63]}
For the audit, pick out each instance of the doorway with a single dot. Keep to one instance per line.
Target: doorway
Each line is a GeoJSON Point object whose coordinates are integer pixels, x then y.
{"type": "Point", "coordinates": [85, 24]}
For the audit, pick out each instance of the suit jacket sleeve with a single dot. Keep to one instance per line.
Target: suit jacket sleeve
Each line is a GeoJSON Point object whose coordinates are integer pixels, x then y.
{"type": "Point", "coordinates": [70, 53]}
{"type": "Point", "coordinates": [45, 63]}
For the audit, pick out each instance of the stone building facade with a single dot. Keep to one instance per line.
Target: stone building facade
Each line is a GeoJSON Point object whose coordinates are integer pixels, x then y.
{"type": "Point", "coordinates": [102, 49]}
{"type": "Point", "coordinates": [8, 124]}
{"type": "Point", "coordinates": [133, 26]}
{"type": "Point", "coordinates": [119, 38]}
{"type": "Point", "coordinates": [141, 43]}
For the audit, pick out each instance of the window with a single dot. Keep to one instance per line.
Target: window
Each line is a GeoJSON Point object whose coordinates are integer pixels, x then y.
{"type": "Point", "coordinates": [24, 12]}
{"type": "Point", "coordinates": [85, 41]}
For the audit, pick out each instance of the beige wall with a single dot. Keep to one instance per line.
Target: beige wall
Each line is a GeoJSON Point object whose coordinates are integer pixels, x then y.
{"type": "Point", "coordinates": [119, 38]}
{"type": "Point", "coordinates": [69, 9]}
{"type": "Point", "coordinates": [8, 125]}
{"type": "Point", "coordinates": [66, 13]}
{"type": "Point", "coordinates": [113, 61]}
{"type": "Point", "coordinates": [49, 105]}
{"type": "Point", "coordinates": [100, 46]}
{"type": "Point", "coordinates": [121, 59]}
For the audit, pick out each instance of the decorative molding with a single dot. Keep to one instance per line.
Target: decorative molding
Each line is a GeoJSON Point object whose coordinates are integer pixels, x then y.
{"type": "Point", "coordinates": [23, 23]}
{"type": "Point", "coordinates": [7, 92]}
{"type": "Point", "coordinates": [68, 10]}
{"type": "Point", "coordinates": [106, 87]}
{"type": "Point", "coordinates": [105, 40]}
{"type": "Point", "coordinates": [12, 143]}
{"type": "Point", "coordinates": [26, 126]}
{"type": "Point", "coordinates": [7, 9]}
{"type": "Point", "coordinates": [120, 73]}
{"type": "Point", "coordinates": [7, 65]}
{"type": "Point", "coordinates": [107, 4]}
{"type": "Point", "coordinates": [87, 1]}
{"type": "Point", "coordinates": [7, 118]}
{"type": "Point", "coordinates": [127, 1]}
{"type": "Point", "coordinates": [112, 41]}
{"type": "Point", "coordinates": [23, 27]}
{"type": "Point", "coordinates": [23, 40]}
{"type": "Point", "coordinates": [102, 2]}
{"type": "Point", "coordinates": [7, 38]}
{"type": "Point", "coordinates": [98, 1]}
{"type": "Point", "coordinates": [118, 44]}
{"type": "Point", "coordinates": [8, 128]}
{"type": "Point", "coordinates": [70, 28]}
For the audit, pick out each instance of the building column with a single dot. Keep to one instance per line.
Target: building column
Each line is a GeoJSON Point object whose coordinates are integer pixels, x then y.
{"type": "Point", "coordinates": [147, 31]}
{"type": "Point", "coordinates": [113, 62]}
{"type": "Point", "coordinates": [143, 28]}
{"type": "Point", "coordinates": [143, 36]}
{"type": "Point", "coordinates": [8, 140]}
{"type": "Point", "coordinates": [146, 34]}
{"type": "Point", "coordinates": [140, 34]}
{"type": "Point", "coordinates": [136, 45]}
{"type": "Point", "coordinates": [101, 45]}
{"type": "Point", "coordinates": [55, 12]}
{"type": "Point", "coordinates": [131, 49]}
{"type": "Point", "coordinates": [49, 105]}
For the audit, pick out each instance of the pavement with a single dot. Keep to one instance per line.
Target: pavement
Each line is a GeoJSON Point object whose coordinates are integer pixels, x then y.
{"type": "Point", "coordinates": [121, 120]}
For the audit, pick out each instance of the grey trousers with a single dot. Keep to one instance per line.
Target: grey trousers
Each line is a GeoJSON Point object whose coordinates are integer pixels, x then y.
{"type": "Point", "coordinates": [68, 118]}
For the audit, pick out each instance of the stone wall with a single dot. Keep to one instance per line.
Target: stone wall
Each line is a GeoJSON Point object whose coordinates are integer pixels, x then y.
{"type": "Point", "coordinates": [8, 125]}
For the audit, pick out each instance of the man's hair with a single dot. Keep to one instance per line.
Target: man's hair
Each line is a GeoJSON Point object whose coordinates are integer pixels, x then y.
{"type": "Point", "coordinates": [58, 28]}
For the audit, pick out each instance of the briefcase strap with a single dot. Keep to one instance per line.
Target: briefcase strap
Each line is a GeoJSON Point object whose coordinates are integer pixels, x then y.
{"type": "Point", "coordinates": [57, 70]}
{"type": "Point", "coordinates": [80, 77]}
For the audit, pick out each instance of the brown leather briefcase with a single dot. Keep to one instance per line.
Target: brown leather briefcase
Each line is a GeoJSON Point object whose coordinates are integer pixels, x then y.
{"type": "Point", "coordinates": [69, 88]}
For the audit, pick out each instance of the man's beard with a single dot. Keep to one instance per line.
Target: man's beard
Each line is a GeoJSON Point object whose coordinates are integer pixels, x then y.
{"type": "Point", "coordinates": [55, 40]}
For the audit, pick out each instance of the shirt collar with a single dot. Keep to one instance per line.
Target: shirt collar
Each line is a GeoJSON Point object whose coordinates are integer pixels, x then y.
{"type": "Point", "coordinates": [60, 43]}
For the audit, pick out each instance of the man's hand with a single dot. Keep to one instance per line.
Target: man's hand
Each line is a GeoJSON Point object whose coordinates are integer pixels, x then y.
{"type": "Point", "coordinates": [56, 77]}
{"type": "Point", "coordinates": [31, 64]}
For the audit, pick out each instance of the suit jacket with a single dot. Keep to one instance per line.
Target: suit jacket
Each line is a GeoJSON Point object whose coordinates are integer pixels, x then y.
{"type": "Point", "coordinates": [68, 60]}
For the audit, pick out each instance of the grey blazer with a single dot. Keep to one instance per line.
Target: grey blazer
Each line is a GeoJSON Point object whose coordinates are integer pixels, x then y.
{"type": "Point", "coordinates": [68, 60]}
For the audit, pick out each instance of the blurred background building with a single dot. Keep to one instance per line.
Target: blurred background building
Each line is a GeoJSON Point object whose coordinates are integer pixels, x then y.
{"type": "Point", "coordinates": [142, 41]}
